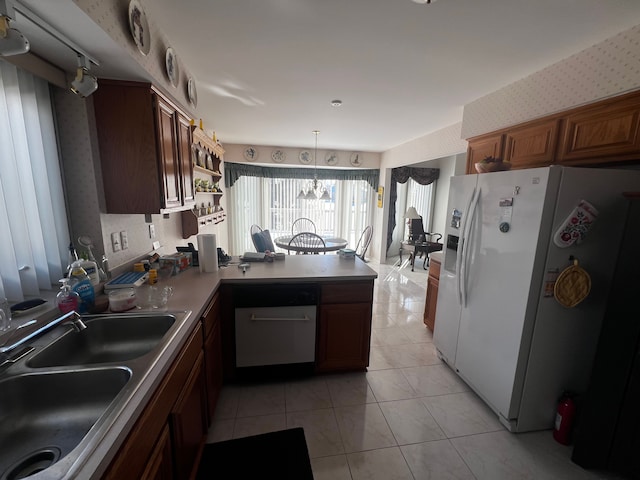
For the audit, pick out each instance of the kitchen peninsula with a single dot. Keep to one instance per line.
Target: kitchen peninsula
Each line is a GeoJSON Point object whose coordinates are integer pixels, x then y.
{"type": "Point", "coordinates": [158, 429]}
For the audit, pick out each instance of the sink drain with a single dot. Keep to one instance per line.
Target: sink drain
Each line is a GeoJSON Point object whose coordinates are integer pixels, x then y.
{"type": "Point", "coordinates": [33, 463]}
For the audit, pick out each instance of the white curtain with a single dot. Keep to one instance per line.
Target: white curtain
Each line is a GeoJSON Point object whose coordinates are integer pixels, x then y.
{"type": "Point", "coordinates": [35, 232]}
{"type": "Point", "coordinates": [272, 204]}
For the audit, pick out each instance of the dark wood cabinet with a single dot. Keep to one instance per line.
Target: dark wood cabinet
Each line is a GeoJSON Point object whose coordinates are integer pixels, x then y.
{"type": "Point", "coordinates": [344, 326]}
{"type": "Point", "coordinates": [178, 406]}
{"type": "Point", "coordinates": [144, 146]}
{"type": "Point", "coordinates": [188, 422]}
{"type": "Point", "coordinates": [160, 464]}
{"type": "Point", "coordinates": [433, 281]}
{"type": "Point", "coordinates": [212, 354]}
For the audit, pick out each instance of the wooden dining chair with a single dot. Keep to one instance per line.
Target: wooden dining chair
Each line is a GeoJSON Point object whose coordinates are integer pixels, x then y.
{"type": "Point", "coordinates": [306, 242]}
{"type": "Point", "coordinates": [364, 241]}
{"type": "Point", "coordinates": [303, 224]}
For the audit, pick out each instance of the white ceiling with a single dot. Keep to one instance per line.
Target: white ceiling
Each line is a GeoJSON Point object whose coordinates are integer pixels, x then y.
{"type": "Point", "coordinates": [267, 70]}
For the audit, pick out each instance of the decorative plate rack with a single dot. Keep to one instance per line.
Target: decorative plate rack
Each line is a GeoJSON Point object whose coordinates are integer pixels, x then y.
{"type": "Point", "coordinates": [207, 159]}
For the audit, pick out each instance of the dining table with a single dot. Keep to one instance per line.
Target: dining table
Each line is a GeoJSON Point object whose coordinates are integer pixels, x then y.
{"type": "Point", "coordinates": [331, 244]}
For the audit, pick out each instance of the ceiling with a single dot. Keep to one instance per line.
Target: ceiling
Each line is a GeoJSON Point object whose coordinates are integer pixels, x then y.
{"type": "Point", "coordinates": [267, 70]}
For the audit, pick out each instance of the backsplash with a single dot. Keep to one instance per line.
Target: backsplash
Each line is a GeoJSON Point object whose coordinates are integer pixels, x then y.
{"type": "Point", "coordinates": [609, 68]}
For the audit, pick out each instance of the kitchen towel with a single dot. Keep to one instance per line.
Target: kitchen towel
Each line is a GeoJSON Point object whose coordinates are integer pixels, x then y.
{"type": "Point", "coordinates": [207, 252]}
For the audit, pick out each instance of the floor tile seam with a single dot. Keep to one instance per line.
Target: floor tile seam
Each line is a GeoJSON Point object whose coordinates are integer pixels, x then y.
{"type": "Point", "coordinates": [382, 448]}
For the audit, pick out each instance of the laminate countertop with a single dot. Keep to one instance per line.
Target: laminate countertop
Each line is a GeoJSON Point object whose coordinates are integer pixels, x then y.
{"type": "Point", "coordinates": [192, 293]}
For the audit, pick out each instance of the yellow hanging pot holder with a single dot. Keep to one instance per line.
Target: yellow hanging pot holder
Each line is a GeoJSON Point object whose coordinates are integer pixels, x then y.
{"type": "Point", "coordinates": [572, 286]}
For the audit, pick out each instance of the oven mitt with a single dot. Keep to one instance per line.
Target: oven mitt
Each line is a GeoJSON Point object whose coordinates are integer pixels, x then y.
{"type": "Point", "coordinates": [576, 226]}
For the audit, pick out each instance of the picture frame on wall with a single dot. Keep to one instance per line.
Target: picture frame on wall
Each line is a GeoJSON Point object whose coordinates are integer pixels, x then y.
{"type": "Point", "coordinates": [380, 196]}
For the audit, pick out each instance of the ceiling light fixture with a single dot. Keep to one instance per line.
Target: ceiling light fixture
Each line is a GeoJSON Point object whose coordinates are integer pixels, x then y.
{"type": "Point", "coordinates": [315, 188]}
{"type": "Point", "coordinates": [12, 41]}
{"type": "Point", "coordinates": [336, 103]}
{"type": "Point", "coordinates": [422, 2]}
{"type": "Point", "coordinates": [84, 84]}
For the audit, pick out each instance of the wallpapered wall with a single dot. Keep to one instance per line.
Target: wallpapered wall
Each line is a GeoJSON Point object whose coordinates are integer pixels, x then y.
{"type": "Point", "coordinates": [609, 68]}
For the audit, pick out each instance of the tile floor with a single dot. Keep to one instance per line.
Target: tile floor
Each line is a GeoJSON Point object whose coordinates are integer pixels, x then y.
{"type": "Point", "coordinates": [407, 417]}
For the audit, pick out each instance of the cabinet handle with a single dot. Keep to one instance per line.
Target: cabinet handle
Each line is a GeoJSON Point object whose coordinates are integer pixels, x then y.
{"type": "Point", "coordinates": [278, 319]}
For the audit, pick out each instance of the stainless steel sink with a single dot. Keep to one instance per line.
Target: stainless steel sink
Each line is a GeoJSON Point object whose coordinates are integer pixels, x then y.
{"type": "Point", "coordinates": [44, 416]}
{"type": "Point", "coordinates": [105, 340]}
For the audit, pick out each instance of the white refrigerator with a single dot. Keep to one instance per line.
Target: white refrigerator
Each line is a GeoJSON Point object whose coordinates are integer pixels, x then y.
{"type": "Point", "coordinates": [498, 325]}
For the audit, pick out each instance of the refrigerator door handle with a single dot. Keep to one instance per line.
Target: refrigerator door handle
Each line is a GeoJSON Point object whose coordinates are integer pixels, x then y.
{"type": "Point", "coordinates": [461, 247]}
{"type": "Point", "coordinates": [471, 217]}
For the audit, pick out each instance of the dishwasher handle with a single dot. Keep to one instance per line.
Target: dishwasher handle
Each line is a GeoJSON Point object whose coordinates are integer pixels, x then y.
{"type": "Point", "coordinates": [304, 318]}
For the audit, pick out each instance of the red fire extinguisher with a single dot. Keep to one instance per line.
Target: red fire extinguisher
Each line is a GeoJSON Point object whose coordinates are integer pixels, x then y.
{"type": "Point", "coordinates": [564, 418]}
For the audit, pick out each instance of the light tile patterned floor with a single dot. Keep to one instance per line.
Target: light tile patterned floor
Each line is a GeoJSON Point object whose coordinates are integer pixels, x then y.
{"type": "Point", "coordinates": [408, 417]}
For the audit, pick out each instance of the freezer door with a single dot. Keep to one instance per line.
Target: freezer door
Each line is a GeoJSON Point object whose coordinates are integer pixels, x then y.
{"type": "Point", "coordinates": [445, 334]}
{"type": "Point", "coordinates": [503, 246]}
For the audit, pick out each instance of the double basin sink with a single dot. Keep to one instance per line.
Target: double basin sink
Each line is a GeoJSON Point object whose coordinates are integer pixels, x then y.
{"type": "Point", "coordinates": [66, 389]}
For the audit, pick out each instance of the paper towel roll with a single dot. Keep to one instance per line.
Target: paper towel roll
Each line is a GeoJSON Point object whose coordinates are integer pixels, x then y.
{"type": "Point", "coordinates": [207, 252]}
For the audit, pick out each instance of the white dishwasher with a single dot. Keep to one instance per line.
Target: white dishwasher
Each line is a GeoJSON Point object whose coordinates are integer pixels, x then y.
{"type": "Point", "coordinates": [275, 324]}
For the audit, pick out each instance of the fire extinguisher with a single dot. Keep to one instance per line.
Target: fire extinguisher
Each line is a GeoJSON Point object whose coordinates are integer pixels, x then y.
{"type": "Point", "coordinates": [564, 418]}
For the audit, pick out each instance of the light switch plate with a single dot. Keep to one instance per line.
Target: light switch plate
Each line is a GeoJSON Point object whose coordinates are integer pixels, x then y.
{"type": "Point", "coordinates": [152, 231]}
{"type": "Point", "coordinates": [124, 240]}
{"type": "Point", "coordinates": [115, 241]}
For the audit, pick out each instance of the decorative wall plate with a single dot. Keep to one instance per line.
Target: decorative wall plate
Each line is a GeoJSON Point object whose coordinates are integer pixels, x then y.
{"type": "Point", "coordinates": [171, 63]}
{"type": "Point", "coordinates": [191, 92]}
{"type": "Point", "coordinates": [278, 155]}
{"type": "Point", "coordinates": [305, 157]}
{"type": "Point", "coordinates": [250, 153]}
{"type": "Point", "coordinates": [139, 27]}
{"type": "Point", "coordinates": [331, 158]}
{"type": "Point", "coordinates": [355, 159]}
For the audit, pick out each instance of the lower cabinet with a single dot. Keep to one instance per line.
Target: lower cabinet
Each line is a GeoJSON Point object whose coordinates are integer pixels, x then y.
{"type": "Point", "coordinates": [168, 437]}
{"type": "Point", "coordinates": [433, 281]}
{"type": "Point", "coordinates": [212, 354]}
{"type": "Point", "coordinates": [344, 326]}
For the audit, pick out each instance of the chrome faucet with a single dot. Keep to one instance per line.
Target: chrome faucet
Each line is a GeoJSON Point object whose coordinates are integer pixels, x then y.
{"type": "Point", "coordinates": [71, 317]}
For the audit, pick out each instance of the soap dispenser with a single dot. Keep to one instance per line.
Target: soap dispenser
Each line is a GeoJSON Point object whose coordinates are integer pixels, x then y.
{"type": "Point", "coordinates": [66, 299]}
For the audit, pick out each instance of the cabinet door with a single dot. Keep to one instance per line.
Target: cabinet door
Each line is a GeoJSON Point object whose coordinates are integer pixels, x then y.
{"type": "Point", "coordinates": [532, 145]}
{"type": "Point", "coordinates": [481, 147]}
{"type": "Point", "coordinates": [186, 165]}
{"type": "Point", "coordinates": [213, 369]}
{"type": "Point", "coordinates": [167, 146]}
{"type": "Point", "coordinates": [344, 337]}
{"type": "Point", "coordinates": [160, 465]}
{"type": "Point", "coordinates": [188, 423]}
{"type": "Point", "coordinates": [606, 132]}
{"type": "Point", "coordinates": [430, 302]}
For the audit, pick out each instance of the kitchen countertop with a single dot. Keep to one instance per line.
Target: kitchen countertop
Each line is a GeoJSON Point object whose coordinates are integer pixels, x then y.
{"type": "Point", "coordinates": [192, 292]}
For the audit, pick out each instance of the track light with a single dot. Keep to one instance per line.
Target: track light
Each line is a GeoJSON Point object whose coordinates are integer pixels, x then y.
{"type": "Point", "coordinates": [12, 41]}
{"type": "Point", "coordinates": [84, 84]}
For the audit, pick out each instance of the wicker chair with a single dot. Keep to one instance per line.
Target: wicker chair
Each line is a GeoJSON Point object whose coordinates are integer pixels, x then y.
{"type": "Point", "coordinates": [306, 242]}
{"type": "Point", "coordinates": [303, 224]}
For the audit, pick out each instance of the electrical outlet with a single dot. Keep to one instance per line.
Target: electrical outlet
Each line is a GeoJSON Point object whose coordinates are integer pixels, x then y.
{"type": "Point", "coordinates": [124, 240]}
{"type": "Point", "coordinates": [115, 242]}
{"type": "Point", "coordinates": [152, 231]}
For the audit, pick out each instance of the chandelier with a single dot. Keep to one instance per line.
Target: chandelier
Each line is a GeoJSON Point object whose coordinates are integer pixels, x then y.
{"type": "Point", "coordinates": [315, 188]}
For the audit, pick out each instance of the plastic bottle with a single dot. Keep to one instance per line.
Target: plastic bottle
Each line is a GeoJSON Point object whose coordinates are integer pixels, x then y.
{"type": "Point", "coordinates": [80, 283]}
{"type": "Point", "coordinates": [92, 271]}
{"type": "Point", "coordinates": [73, 257]}
{"type": "Point", "coordinates": [66, 299]}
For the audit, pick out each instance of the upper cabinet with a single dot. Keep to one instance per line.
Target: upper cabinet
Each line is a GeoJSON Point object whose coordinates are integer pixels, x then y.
{"type": "Point", "coordinates": [601, 133]}
{"type": "Point", "coordinates": [145, 149]}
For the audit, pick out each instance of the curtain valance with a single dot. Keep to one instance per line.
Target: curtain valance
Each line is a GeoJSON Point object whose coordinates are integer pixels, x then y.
{"type": "Point", "coordinates": [233, 171]}
{"type": "Point", "coordinates": [424, 176]}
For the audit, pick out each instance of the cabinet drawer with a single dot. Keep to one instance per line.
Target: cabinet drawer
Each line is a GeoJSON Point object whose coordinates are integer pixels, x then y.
{"type": "Point", "coordinates": [434, 269]}
{"type": "Point", "coordinates": [211, 315]}
{"type": "Point", "coordinates": [346, 292]}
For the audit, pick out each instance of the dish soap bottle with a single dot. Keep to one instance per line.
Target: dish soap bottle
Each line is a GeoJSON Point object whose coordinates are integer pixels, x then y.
{"type": "Point", "coordinates": [66, 299]}
{"type": "Point", "coordinates": [80, 283]}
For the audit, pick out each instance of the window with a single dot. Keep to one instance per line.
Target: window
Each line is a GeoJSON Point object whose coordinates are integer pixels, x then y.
{"type": "Point", "coordinates": [33, 250]}
{"type": "Point", "coordinates": [272, 203]}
